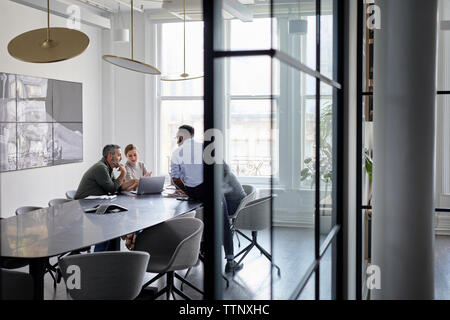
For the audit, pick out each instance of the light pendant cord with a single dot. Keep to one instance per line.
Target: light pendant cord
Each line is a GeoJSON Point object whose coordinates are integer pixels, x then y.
{"type": "Point", "coordinates": [184, 40]}
{"type": "Point", "coordinates": [132, 33]}
{"type": "Point", "coordinates": [48, 20]}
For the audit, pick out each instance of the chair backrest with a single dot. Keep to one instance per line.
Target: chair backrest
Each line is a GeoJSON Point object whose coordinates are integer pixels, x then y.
{"type": "Point", "coordinates": [178, 240]}
{"type": "Point", "coordinates": [255, 215]}
{"type": "Point", "coordinates": [250, 192]}
{"type": "Point", "coordinates": [71, 194]}
{"type": "Point", "coordinates": [55, 202]}
{"type": "Point", "coordinates": [26, 209]}
{"type": "Point", "coordinates": [105, 275]}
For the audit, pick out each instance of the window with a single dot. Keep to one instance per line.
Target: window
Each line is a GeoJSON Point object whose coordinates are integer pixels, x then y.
{"type": "Point", "coordinates": [180, 102]}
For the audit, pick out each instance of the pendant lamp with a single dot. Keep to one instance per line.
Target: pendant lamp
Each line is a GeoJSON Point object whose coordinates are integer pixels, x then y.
{"type": "Point", "coordinates": [48, 44]}
{"type": "Point", "coordinates": [131, 64]}
{"type": "Point", "coordinates": [184, 75]}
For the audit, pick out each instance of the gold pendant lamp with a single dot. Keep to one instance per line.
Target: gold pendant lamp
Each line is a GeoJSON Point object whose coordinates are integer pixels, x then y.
{"type": "Point", "coordinates": [131, 64]}
{"type": "Point", "coordinates": [48, 44]}
{"type": "Point", "coordinates": [184, 75]}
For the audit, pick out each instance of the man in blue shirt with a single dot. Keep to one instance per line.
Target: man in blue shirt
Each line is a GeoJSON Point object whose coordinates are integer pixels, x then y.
{"type": "Point", "coordinates": [187, 174]}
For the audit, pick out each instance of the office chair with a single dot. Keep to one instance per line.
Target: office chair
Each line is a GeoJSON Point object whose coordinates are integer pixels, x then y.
{"type": "Point", "coordinates": [55, 202]}
{"type": "Point", "coordinates": [49, 267]}
{"type": "Point", "coordinates": [255, 216]}
{"type": "Point", "coordinates": [105, 275]}
{"type": "Point", "coordinates": [173, 245]}
{"type": "Point", "coordinates": [16, 285]}
{"type": "Point", "coordinates": [71, 194]}
{"type": "Point", "coordinates": [198, 213]}
{"type": "Point", "coordinates": [250, 191]}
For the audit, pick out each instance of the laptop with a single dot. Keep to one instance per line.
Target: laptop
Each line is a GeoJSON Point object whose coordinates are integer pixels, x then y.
{"type": "Point", "coordinates": [150, 185]}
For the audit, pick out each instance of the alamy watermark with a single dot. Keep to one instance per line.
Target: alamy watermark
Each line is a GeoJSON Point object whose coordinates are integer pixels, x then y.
{"type": "Point", "coordinates": [373, 15]}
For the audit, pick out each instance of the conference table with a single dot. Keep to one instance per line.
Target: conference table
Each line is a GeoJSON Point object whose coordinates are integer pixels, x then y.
{"type": "Point", "coordinates": [39, 235]}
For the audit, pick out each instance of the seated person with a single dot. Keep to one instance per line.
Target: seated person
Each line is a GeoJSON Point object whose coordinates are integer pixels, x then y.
{"type": "Point", "coordinates": [99, 180]}
{"type": "Point", "coordinates": [135, 169]}
{"type": "Point", "coordinates": [187, 175]}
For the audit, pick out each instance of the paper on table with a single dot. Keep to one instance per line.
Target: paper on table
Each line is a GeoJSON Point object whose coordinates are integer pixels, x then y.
{"type": "Point", "coordinates": [101, 197]}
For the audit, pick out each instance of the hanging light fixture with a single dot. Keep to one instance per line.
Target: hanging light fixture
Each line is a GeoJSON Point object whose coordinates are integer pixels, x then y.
{"type": "Point", "coordinates": [131, 64]}
{"type": "Point", "coordinates": [48, 44]}
{"type": "Point", "coordinates": [184, 75]}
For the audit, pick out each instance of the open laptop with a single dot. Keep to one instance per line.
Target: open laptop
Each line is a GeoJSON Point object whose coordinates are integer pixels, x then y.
{"type": "Point", "coordinates": [150, 185]}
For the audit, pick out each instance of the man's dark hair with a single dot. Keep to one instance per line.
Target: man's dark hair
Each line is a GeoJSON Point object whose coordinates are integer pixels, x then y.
{"type": "Point", "coordinates": [187, 128]}
{"type": "Point", "coordinates": [110, 149]}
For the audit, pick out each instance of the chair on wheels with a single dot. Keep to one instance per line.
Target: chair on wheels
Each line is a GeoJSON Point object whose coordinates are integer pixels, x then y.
{"type": "Point", "coordinates": [55, 202]}
{"type": "Point", "coordinates": [105, 275]}
{"type": "Point", "coordinates": [255, 216]}
{"type": "Point", "coordinates": [71, 194]}
{"type": "Point", "coordinates": [173, 245]}
{"type": "Point", "coordinates": [198, 213]}
{"type": "Point", "coordinates": [250, 192]}
{"type": "Point", "coordinates": [51, 269]}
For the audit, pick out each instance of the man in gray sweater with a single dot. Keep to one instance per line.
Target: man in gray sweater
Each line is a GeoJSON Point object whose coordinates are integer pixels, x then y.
{"type": "Point", "coordinates": [99, 179]}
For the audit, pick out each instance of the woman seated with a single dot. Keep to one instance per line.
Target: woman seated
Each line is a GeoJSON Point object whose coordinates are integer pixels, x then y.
{"type": "Point", "coordinates": [135, 168]}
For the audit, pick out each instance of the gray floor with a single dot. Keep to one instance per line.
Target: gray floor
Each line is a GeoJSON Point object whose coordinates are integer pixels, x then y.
{"type": "Point", "coordinates": [293, 253]}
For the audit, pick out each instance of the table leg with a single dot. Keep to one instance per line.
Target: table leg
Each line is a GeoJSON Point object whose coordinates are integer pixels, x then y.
{"type": "Point", "coordinates": [37, 271]}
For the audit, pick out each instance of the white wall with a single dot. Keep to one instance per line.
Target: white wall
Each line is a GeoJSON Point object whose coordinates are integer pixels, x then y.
{"type": "Point", "coordinates": [126, 93]}
{"type": "Point", "coordinates": [38, 186]}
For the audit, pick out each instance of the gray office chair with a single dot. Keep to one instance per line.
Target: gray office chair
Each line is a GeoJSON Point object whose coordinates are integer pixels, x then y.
{"type": "Point", "coordinates": [106, 275]}
{"type": "Point", "coordinates": [16, 285]}
{"type": "Point", "coordinates": [71, 194]}
{"type": "Point", "coordinates": [25, 209]}
{"type": "Point", "coordinates": [173, 245]}
{"type": "Point", "coordinates": [255, 216]}
{"type": "Point", "coordinates": [198, 213]}
{"type": "Point", "coordinates": [49, 267]}
{"type": "Point", "coordinates": [55, 202]}
{"type": "Point", "coordinates": [250, 191]}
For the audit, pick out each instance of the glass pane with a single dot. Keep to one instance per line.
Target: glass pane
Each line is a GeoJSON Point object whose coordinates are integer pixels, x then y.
{"type": "Point", "coordinates": [35, 145]}
{"type": "Point", "coordinates": [327, 169]}
{"type": "Point", "coordinates": [172, 58]}
{"type": "Point", "coordinates": [327, 273]}
{"type": "Point", "coordinates": [67, 101]}
{"type": "Point", "coordinates": [368, 50]}
{"type": "Point", "coordinates": [7, 110]}
{"type": "Point", "coordinates": [254, 35]}
{"type": "Point", "coordinates": [8, 152]}
{"type": "Point", "coordinates": [327, 33]}
{"type": "Point", "coordinates": [68, 143]}
{"type": "Point", "coordinates": [308, 292]}
{"type": "Point", "coordinates": [250, 76]}
{"type": "Point", "coordinates": [296, 29]}
{"type": "Point", "coordinates": [175, 113]}
{"type": "Point", "coordinates": [7, 86]}
{"type": "Point", "coordinates": [294, 200]}
{"type": "Point", "coordinates": [250, 138]}
{"type": "Point", "coordinates": [34, 111]}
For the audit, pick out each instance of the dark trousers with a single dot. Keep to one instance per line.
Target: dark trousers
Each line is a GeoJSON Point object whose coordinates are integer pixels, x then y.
{"type": "Point", "coordinates": [198, 193]}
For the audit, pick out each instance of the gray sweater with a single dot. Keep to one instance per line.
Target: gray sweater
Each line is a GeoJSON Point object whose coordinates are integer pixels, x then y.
{"type": "Point", "coordinates": [135, 171]}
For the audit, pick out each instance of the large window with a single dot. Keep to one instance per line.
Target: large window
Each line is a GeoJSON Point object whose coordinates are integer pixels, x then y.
{"type": "Point", "coordinates": [248, 124]}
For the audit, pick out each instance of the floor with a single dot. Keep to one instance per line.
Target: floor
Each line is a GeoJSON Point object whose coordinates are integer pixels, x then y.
{"type": "Point", "coordinates": [293, 253]}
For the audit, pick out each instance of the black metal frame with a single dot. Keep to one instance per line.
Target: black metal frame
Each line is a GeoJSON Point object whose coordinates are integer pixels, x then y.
{"type": "Point", "coordinates": [213, 223]}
